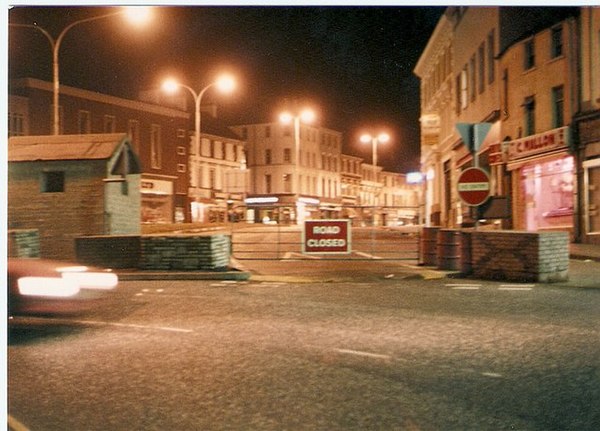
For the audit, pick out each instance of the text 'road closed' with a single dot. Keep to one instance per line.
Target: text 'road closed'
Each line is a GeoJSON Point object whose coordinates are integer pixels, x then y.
{"type": "Point", "coordinates": [326, 236]}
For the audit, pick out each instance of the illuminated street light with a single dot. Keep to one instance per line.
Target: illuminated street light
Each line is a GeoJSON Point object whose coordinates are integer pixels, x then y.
{"type": "Point", "coordinates": [136, 14]}
{"type": "Point", "coordinates": [225, 84]}
{"type": "Point", "coordinates": [305, 116]}
{"type": "Point", "coordinates": [374, 140]}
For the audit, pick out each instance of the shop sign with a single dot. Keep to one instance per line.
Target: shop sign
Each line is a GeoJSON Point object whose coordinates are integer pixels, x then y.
{"type": "Point", "coordinates": [326, 237]}
{"type": "Point", "coordinates": [473, 186]}
{"type": "Point", "coordinates": [538, 144]}
{"type": "Point", "coordinates": [430, 124]}
{"type": "Point", "coordinates": [157, 187]}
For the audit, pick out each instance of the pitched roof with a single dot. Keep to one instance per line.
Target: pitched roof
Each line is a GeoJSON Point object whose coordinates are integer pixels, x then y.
{"type": "Point", "coordinates": [64, 147]}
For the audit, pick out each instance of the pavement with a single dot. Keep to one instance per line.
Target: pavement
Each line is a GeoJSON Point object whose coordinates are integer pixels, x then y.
{"type": "Point", "coordinates": [584, 270]}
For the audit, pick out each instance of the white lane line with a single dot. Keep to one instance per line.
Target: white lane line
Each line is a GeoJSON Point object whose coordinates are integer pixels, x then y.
{"type": "Point", "coordinates": [102, 323]}
{"type": "Point", "coordinates": [490, 374]}
{"type": "Point", "coordinates": [363, 354]}
{"type": "Point", "coordinates": [515, 288]}
{"type": "Point", "coordinates": [131, 325]}
{"type": "Point", "coordinates": [463, 286]}
{"type": "Point", "coordinates": [15, 425]}
{"type": "Point", "coordinates": [370, 256]}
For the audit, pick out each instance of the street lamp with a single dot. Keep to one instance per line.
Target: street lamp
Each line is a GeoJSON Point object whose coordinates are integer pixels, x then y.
{"type": "Point", "coordinates": [375, 140]}
{"type": "Point", "coordinates": [225, 84]}
{"type": "Point", "coordinates": [135, 14]}
{"type": "Point", "coordinates": [305, 116]}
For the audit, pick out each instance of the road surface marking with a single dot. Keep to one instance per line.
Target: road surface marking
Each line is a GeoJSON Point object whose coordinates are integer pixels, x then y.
{"type": "Point", "coordinates": [15, 425]}
{"type": "Point", "coordinates": [101, 323]}
{"type": "Point", "coordinates": [494, 375]}
{"type": "Point", "coordinates": [463, 286]}
{"type": "Point", "coordinates": [364, 354]}
{"type": "Point", "coordinates": [514, 288]}
{"type": "Point", "coordinates": [370, 256]}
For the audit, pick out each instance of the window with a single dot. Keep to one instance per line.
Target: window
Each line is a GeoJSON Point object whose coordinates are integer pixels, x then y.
{"type": "Point", "coordinates": [268, 157]}
{"type": "Point", "coordinates": [558, 106]}
{"type": "Point", "coordinates": [556, 47]}
{"type": "Point", "coordinates": [267, 131]}
{"type": "Point", "coordinates": [267, 183]}
{"type": "Point", "coordinates": [53, 182]}
{"type": "Point", "coordinates": [287, 155]}
{"type": "Point", "coordinates": [133, 128]}
{"type": "Point", "coordinates": [180, 133]}
{"type": "Point", "coordinates": [180, 150]}
{"type": "Point", "coordinates": [528, 54]}
{"type": "Point", "coordinates": [287, 131]}
{"type": "Point", "coordinates": [15, 124]}
{"type": "Point", "coordinates": [490, 57]}
{"type": "Point", "coordinates": [464, 100]}
{"type": "Point", "coordinates": [212, 179]}
{"type": "Point", "coordinates": [287, 183]}
{"type": "Point", "coordinates": [84, 122]}
{"type": "Point", "coordinates": [155, 147]}
{"type": "Point", "coordinates": [110, 124]}
{"type": "Point", "coordinates": [472, 79]}
{"type": "Point", "coordinates": [529, 111]}
{"type": "Point", "coordinates": [481, 68]}
{"type": "Point", "coordinates": [180, 167]}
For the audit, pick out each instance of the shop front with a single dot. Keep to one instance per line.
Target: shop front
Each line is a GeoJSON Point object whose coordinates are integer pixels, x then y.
{"type": "Point", "coordinates": [543, 181]}
{"type": "Point", "coordinates": [157, 200]}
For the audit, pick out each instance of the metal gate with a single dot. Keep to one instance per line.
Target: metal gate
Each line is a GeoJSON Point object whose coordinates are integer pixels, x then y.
{"type": "Point", "coordinates": [374, 235]}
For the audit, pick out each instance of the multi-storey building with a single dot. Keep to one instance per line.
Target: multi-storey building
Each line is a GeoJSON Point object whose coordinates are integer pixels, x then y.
{"type": "Point", "coordinates": [516, 69]}
{"type": "Point", "coordinates": [587, 124]}
{"type": "Point", "coordinates": [293, 176]}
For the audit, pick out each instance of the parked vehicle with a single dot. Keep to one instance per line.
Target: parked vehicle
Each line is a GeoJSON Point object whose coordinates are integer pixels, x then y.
{"type": "Point", "coordinates": [41, 286]}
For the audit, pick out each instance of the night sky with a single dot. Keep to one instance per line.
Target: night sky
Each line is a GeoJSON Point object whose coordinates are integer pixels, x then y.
{"type": "Point", "coordinates": [353, 64]}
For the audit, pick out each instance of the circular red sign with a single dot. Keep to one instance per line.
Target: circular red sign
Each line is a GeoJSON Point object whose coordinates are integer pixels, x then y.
{"type": "Point", "coordinates": [473, 186]}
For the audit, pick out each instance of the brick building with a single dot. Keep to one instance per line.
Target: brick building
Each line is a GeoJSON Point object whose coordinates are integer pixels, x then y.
{"type": "Point", "coordinates": [67, 186]}
{"type": "Point", "coordinates": [528, 73]}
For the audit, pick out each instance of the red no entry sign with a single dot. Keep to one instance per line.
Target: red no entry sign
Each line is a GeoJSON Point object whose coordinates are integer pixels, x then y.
{"type": "Point", "coordinates": [473, 186]}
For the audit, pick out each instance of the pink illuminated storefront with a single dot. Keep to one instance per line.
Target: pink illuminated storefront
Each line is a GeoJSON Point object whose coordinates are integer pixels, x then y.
{"type": "Point", "coordinates": [543, 181]}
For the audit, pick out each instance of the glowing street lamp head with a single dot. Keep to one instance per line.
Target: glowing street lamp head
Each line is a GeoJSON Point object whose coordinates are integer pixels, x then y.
{"type": "Point", "coordinates": [307, 116]}
{"type": "Point", "coordinates": [366, 138]}
{"type": "Point", "coordinates": [383, 137]}
{"type": "Point", "coordinates": [225, 83]}
{"type": "Point", "coordinates": [170, 86]}
{"type": "Point", "coordinates": [138, 15]}
{"type": "Point", "coordinates": [285, 117]}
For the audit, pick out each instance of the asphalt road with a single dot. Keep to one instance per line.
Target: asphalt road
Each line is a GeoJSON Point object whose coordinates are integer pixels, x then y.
{"type": "Point", "coordinates": [387, 355]}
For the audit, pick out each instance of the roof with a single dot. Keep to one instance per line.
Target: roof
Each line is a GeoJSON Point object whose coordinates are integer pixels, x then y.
{"type": "Point", "coordinates": [64, 147]}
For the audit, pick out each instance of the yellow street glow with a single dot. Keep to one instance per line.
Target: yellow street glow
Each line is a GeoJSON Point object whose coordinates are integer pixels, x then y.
{"type": "Point", "coordinates": [138, 15]}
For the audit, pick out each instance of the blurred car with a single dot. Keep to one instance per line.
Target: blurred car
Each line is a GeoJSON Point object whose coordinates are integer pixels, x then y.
{"type": "Point", "coordinates": [42, 286]}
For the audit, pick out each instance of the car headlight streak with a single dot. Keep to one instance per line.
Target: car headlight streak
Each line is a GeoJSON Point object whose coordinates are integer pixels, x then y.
{"type": "Point", "coordinates": [70, 282]}
{"type": "Point", "coordinates": [48, 287]}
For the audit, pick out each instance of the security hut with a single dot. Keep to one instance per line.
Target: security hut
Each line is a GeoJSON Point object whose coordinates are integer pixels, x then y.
{"type": "Point", "coordinates": [67, 186]}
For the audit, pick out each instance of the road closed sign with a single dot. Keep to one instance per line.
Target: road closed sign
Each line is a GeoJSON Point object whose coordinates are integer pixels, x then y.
{"type": "Point", "coordinates": [326, 237]}
{"type": "Point", "coordinates": [473, 186]}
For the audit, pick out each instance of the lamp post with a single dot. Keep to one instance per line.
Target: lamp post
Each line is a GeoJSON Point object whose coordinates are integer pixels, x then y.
{"type": "Point", "coordinates": [226, 84]}
{"type": "Point", "coordinates": [305, 116]}
{"type": "Point", "coordinates": [375, 140]}
{"type": "Point", "coordinates": [134, 14]}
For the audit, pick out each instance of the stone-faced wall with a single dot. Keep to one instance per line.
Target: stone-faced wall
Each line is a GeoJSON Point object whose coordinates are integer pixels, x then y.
{"type": "Point", "coordinates": [185, 252]}
{"type": "Point", "coordinates": [23, 243]}
{"type": "Point", "coordinates": [156, 252]}
{"type": "Point", "coordinates": [520, 256]}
